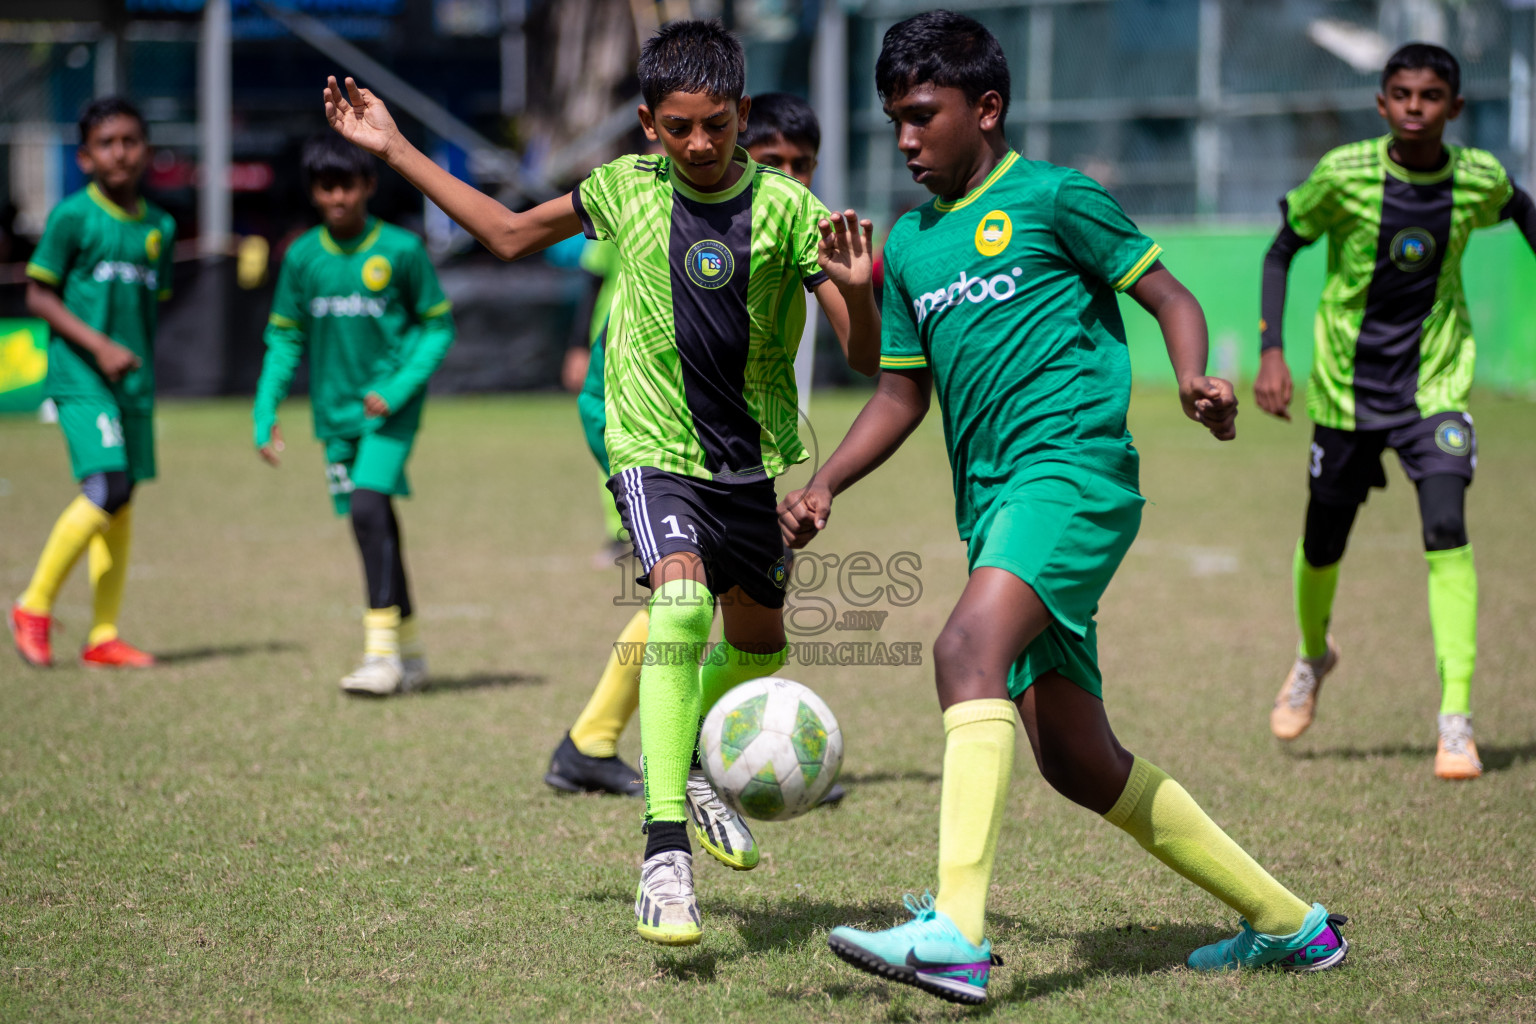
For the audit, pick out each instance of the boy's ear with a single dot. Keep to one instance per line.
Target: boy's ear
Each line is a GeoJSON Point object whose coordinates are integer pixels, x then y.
{"type": "Point", "coordinates": [1457, 105]}
{"type": "Point", "coordinates": [373, 186]}
{"type": "Point", "coordinates": [84, 162]}
{"type": "Point", "coordinates": [648, 122]}
{"type": "Point", "coordinates": [989, 110]}
{"type": "Point", "coordinates": [743, 105]}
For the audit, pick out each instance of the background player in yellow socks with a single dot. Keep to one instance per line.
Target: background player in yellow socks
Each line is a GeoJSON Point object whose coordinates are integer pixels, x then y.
{"type": "Point", "coordinates": [361, 297]}
{"type": "Point", "coordinates": [1392, 367]}
{"type": "Point", "coordinates": [700, 392]}
{"type": "Point", "coordinates": [100, 270]}
{"type": "Point", "coordinates": [781, 132]}
{"type": "Point", "coordinates": [1001, 292]}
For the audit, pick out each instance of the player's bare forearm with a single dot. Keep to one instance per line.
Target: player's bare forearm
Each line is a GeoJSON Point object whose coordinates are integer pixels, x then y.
{"type": "Point", "coordinates": [1207, 400]}
{"type": "Point", "coordinates": [855, 319]}
{"type": "Point", "coordinates": [362, 119]}
{"type": "Point", "coordinates": [48, 305]}
{"type": "Point", "coordinates": [895, 409]}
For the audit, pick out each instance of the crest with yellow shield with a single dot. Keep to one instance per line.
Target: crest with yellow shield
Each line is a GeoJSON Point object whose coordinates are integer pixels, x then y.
{"type": "Point", "coordinates": [993, 233]}
{"type": "Point", "coordinates": [376, 273]}
{"type": "Point", "coordinates": [152, 243]}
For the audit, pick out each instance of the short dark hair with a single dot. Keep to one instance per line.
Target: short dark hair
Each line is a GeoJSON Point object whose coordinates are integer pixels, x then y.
{"type": "Point", "coordinates": [946, 49]}
{"type": "Point", "coordinates": [781, 113]}
{"type": "Point", "coordinates": [104, 107]}
{"type": "Point", "coordinates": [328, 155]}
{"type": "Point", "coordinates": [1428, 56]}
{"type": "Point", "coordinates": [692, 56]}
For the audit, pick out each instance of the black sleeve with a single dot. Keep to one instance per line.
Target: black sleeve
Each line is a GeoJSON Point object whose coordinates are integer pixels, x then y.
{"type": "Point", "coordinates": [1277, 264]}
{"type": "Point", "coordinates": [1522, 211]}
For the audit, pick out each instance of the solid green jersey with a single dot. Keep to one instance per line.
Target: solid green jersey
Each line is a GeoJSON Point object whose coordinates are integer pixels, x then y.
{"type": "Point", "coordinates": [112, 266]}
{"type": "Point", "coordinates": [1008, 295]}
{"type": "Point", "coordinates": [372, 316]}
{"type": "Point", "coordinates": [700, 376]}
{"type": "Point", "coordinates": [1393, 339]}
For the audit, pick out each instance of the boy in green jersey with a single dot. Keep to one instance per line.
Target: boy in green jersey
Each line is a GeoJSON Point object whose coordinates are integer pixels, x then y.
{"type": "Point", "coordinates": [1001, 293]}
{"type": "Point", "coordinates": [98, 275]}
{"type": "Point", "coordinates": [1392, 367]}
{"type": "Point", "coordinates": [699, 393]}
{"type": "Point", "coordinates": [782, 132]}
{"type": "Point", "coordinates": [362, 298]}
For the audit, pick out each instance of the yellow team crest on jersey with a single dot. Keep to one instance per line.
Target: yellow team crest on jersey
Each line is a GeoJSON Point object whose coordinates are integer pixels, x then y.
{"type": "Point", "coordinates": [152, 242]}
{"type": "Point", "coordinates": [993, 233]}
{"type": "Point", "coordinates": [376, 273]}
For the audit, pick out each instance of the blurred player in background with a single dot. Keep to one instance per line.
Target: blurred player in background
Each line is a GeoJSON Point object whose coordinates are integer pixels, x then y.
{"type": "Point", "coordinates": [782, 132]}
{"type": "Point", "coordinates": [700, 395]}
{"type": "Point", "coordinates": [1392, 367]}
{"type": "Point", "coordinates": [1001, 294]}
{"type": "Point", "coordinates": [98, 275]}
{"type": "Point", "coordinates": [362, 299]}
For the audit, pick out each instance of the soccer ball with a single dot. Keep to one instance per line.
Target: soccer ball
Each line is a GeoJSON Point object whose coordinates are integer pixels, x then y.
{"type": "Point", "coordinates": [771, 748]}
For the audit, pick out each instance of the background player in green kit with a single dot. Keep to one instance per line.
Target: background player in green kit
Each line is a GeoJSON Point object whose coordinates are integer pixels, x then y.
{"type": "Point", "coordinates": [700, 396]}
{"type": "Point", "coordinates": [362, 298]}
{"type": "Point", "coordinates": [1001, 292]}
{"type": "Point", "coordinates": [99, 273]}
{"type": "Point", "coordinates": [1392, 367]}
{"type": "Point", "coordinates": [783, 132]}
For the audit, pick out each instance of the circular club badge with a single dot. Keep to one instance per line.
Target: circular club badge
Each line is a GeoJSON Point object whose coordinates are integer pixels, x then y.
{"type": "Point", "coordinates": [376, 273]}
{"type": "Point", "coordinates": [1412, 249]}
{"type": "Point", "coordinates": [710, 264]}
{"type": "Point", "coordinates": [993, 233]}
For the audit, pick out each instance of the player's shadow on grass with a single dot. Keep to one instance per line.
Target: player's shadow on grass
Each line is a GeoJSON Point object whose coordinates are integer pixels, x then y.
{"type": "Point", "coordinates": [194, 654]}
{"type": "Point", "coordinates": [1495, 758]}
{"type": "Point", "coordinates": [876, 778]}
{"type": "Point", "coordinates": [478, 681]}
{"type": "Point", "coordinates": [1116, 951]}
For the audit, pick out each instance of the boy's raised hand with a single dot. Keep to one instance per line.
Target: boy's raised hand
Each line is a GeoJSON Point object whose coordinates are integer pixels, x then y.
{"type": "Point", "coordinates": [847, 249]}
{"type": "Point", "coordinates": [360, 116]}
{"type": "Point", "coordinates": [1211, 402]}
{"type": "Point", "coordinates": [804, 513]}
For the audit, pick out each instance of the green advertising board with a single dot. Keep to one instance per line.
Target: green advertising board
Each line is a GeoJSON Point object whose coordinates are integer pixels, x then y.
{"type": "Point", "coordinates": [23, 364]}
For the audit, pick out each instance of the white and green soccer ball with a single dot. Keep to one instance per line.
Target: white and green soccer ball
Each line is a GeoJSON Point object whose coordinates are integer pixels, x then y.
{"type": "Point", "coordinates": [771, 748]}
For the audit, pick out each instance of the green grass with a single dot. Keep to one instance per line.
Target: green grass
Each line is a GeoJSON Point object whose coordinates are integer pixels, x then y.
{"type": "Point", "coordinates": [226, 837]}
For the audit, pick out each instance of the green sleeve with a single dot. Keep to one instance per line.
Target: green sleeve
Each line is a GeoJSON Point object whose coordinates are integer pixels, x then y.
{"type": "Point", "coordinates": [1095, 233]}
{"type": "Point", "coordinates": [808, 238]}
{"type": "Point", "coordinates": [433, 333]}
{"type": "Point", "coordinates": [1496, 190]}
{"type": "Point", "coordinates": [900, 346]}
{"type": "Point", "coordinates": [1312, 207]}
{"type": "Point", "coordinates": [597, 200]}
{"type": "Point", "coordinates": [164, 273]}
{"type": "Point", "coordinates": [287, 332]}
{"type": "Point", "coordinates": [56, 250]}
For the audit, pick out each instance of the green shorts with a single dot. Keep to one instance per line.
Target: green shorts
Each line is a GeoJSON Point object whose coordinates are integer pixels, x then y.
{"type": "Point", "coordinates": [1063, 530]}
{"type": "Point", "coordinates": [374, 462]}
{"type": "Point", "coordinates": [103, 439]}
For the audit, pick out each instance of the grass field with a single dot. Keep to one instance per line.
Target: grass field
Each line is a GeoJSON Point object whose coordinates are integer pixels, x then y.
{"type": "Point", "coordinates": [228, 838]}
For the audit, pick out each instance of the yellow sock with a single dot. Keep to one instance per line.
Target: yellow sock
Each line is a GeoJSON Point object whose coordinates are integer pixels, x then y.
{"type": "Point", "coordinates": [381, 632]}
{"type": "Point", "coordinates": [410, 638]}
{"type": "Point", "coordinates": [108, 564]}
{"type": "Point", "coordinates": [1167, 822]}
{"type": "Point", "coordinates": [596, 730]}
{"type": "Point", "coordinates": [82, 519]}
{"type": "Point", "coordinates": [978, 763]}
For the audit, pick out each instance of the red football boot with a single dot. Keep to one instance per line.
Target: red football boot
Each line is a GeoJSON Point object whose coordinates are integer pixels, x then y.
{"type": "Point", "coordinates": [31, 634]}
{"type": "Point", "coordinates": [115, 653]}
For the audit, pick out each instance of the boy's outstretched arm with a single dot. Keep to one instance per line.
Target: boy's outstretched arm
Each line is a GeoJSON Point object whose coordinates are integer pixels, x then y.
{"type": "Point", "coordinates": [1206, 400]}
{"type": "Point", "coordinates": [363, 120]}
{"type": "Point", "coordinates": [898, 405]}
{"type": "Point", "coordinates": [1273, 388]}
{"type": "Point", "coordinates": [847, 254]}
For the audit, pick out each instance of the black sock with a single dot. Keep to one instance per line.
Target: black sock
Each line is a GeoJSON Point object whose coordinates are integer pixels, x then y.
{"type": "Point", "coordinates": [661, 836]}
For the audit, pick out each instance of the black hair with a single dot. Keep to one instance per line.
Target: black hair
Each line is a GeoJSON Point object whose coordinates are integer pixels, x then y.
{"type": "Point", "coordinates": [692, 56]}
{"type": "Point", "coordinates": [328, 155]}
{"type": "Point", "coordinates": [1427, 56]}
{"type": "Point", "coordinates": [946, 49]}
{"type": "Point", "coordinates": [104, 107]}
{"type": "Point", "coordinates": [781, 113]}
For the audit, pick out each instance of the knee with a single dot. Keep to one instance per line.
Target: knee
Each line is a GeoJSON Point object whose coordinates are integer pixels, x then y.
{"type": "Point", "coordinates": [949, 650]}
{"type": "Point", "coordinates": [370, 512]}
{"type": "Point", "coordinates": [108, 491]}
{"type": "Point", "coordinates": [1445, 530]}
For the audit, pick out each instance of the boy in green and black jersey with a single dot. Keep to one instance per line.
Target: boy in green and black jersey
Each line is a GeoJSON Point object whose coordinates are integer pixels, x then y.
{"type": "Point", "coordinates": [98, 275]}
{"type": "Point", "coordinates": [361, 297]}
{"type": "Point", "coordinates": [1392, 367]}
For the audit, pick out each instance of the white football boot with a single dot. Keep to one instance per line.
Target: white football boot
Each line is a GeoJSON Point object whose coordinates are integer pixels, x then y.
{"type": "Point", "coordinates": [379, 675]}
{"type": "Point", "coordinates": [719, 829]}
{"type": "Point", "coordinates": [666, 909]}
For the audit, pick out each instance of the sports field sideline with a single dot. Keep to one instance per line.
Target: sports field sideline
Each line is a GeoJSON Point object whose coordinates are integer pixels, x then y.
{"type": "Point", "coordinates": [226, 837]}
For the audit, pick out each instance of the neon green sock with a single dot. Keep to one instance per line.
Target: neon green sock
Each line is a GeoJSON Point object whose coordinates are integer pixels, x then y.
{"type": "Point", "coordinates": [1161, 816]}
{"type": "Point", "coordinates": [681, 613]}
{"type": "Point", "coordinates": [728, 667]}
{"type": "Point", "coordinates": [1314, 602]}
{"type": "Point", "coordinates": [978, 762]}
{"type": "Point", "coordinates": [1453, 621]}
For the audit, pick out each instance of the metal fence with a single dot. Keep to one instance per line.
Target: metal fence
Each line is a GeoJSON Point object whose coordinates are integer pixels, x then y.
{"type": "Point", "coordinates": [1206, 109]}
